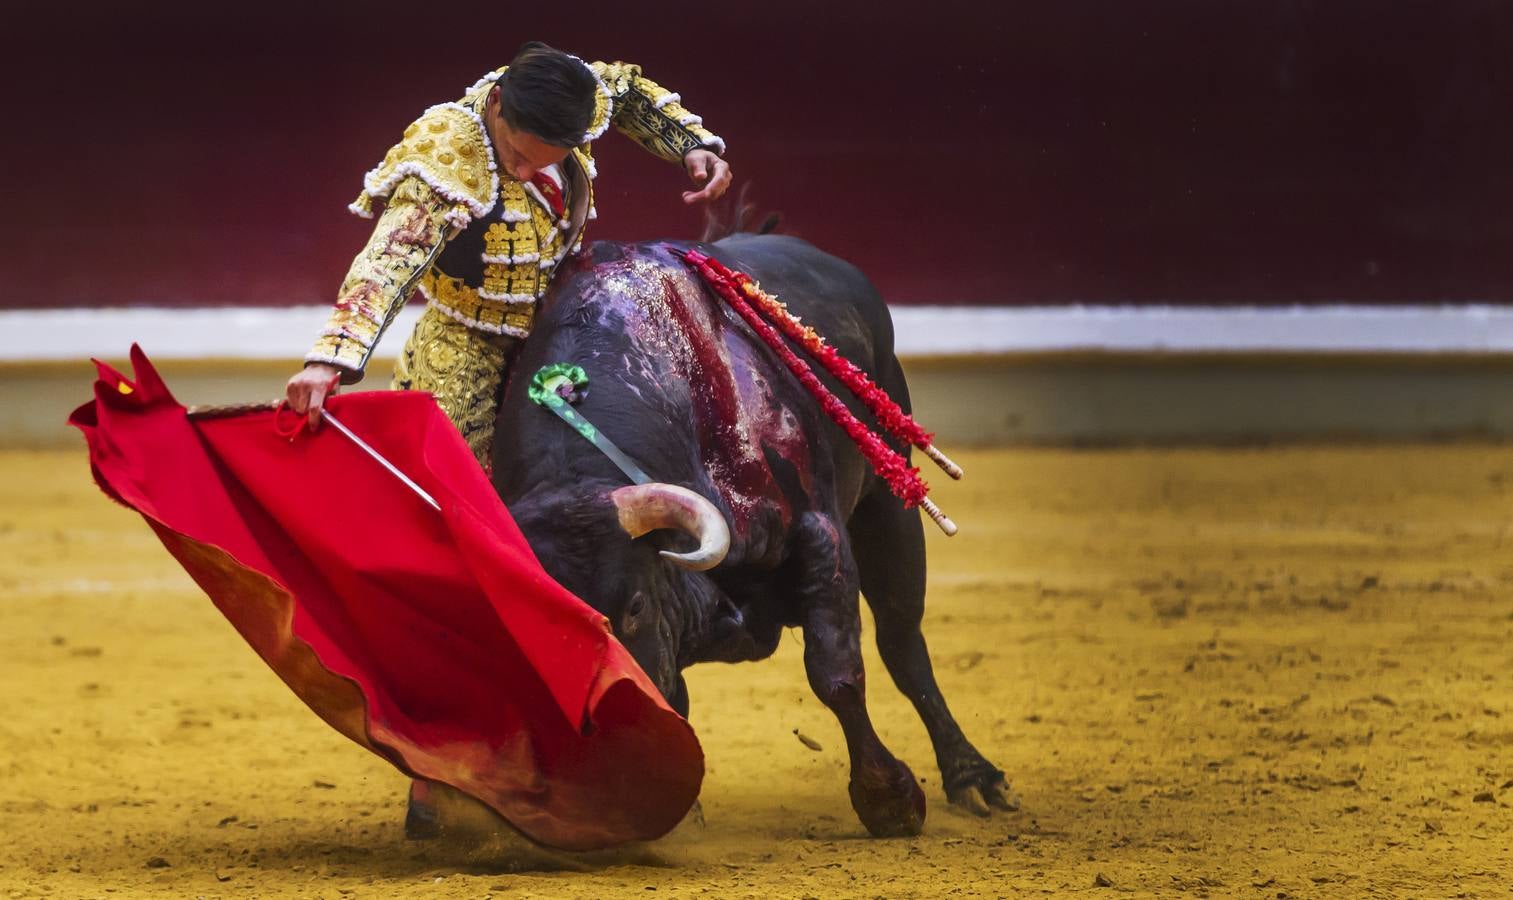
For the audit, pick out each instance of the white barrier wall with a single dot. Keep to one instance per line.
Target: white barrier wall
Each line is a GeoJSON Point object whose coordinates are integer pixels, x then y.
{"type": "Point", "coordinates": [285, 332]}
{"type": "Point", "coordinates": [1064, 375]}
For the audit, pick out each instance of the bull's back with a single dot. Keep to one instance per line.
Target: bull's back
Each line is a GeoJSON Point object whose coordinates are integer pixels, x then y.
{"type": "Point", "coordinates": [663, 352]}
{"type": "Point", "coordinates": [835, 299]}
{"type": "Point", "coordinates": [828, 293]}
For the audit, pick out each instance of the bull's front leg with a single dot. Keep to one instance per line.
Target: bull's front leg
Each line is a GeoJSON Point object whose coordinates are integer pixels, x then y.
{"type": "Point", "coordinates": [884, 792]}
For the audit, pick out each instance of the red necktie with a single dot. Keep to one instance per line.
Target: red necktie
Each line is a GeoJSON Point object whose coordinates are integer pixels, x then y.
{"type": "Point", "coordinates": [550, 191]}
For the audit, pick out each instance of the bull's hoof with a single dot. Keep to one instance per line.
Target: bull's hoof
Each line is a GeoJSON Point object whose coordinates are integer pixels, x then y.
{"type": "Point", "coordinates": [981, 792]}
{"type": "Point", "coordinates": [888, 801]}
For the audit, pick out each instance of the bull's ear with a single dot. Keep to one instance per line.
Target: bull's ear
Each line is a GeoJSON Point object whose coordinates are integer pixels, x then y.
{"type": "Point", "coordinates": [647, 507]}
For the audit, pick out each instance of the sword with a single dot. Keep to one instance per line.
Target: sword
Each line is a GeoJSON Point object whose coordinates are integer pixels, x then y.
{"type": "Point", "coordinates": [393, 469]}
{"type": "Point", "coordinates": [235, 409]}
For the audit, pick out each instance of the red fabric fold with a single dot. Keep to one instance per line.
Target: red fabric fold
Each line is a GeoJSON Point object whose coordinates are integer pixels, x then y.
{"type": "Point", "coordinates": [436, 640]}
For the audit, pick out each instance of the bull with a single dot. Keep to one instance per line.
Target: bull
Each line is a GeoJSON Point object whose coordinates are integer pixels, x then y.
{"type": "Point", "coordinates": [764, 515]}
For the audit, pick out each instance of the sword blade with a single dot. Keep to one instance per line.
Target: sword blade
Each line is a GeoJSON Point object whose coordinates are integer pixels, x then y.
{"type": "Point", "coordinates": [393, 469]}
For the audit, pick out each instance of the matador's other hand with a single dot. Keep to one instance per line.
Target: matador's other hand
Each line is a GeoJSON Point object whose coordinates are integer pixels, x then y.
{"type": "Point", "coordinates": [707, 169]}
{"type": "Point", "coordinates": [308, 390]}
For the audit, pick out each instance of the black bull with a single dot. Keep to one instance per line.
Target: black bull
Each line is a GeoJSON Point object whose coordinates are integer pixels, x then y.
{"type": "Point", "coordinates": [691, 394]}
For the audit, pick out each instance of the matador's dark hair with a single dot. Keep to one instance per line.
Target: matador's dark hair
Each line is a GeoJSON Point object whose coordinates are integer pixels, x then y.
{"type": "Point", "coordinates": [549, 94]}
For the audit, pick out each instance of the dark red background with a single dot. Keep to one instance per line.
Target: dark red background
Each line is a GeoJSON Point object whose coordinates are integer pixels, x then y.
{"type": "Point", "coordinates": [1269, 151]}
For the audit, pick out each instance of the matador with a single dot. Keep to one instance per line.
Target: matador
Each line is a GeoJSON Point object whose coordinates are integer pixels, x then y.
{"type": "Point", "coordinates": [482, 200]}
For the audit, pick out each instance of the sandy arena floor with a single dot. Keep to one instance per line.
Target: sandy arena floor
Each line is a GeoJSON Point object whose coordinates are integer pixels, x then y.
{"type": "Point", "coordinates": [1271, 673]}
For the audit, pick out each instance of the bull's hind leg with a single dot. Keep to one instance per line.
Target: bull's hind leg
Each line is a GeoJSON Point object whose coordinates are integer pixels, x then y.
{"type": "Point", "coordinates": [883, 790]}
{"type": "Point", "coordinates": [889, 544]}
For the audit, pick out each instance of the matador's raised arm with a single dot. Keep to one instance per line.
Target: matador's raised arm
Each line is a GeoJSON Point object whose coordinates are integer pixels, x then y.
{"type": "Point", "coordinates": [652, 115]}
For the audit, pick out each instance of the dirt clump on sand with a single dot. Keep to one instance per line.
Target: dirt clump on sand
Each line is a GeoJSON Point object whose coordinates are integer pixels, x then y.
{"type": "Point", "coordinates": [1272, 673]}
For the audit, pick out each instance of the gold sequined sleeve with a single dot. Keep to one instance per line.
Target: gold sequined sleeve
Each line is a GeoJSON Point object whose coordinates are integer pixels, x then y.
{"type": "Point", "coordinates": [405, 241]}
{"type": "Point", "coordinates": [652, 115]}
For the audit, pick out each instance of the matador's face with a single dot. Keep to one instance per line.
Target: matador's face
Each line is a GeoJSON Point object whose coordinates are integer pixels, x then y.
{"type": "Point", "coordinates": [520, 154]}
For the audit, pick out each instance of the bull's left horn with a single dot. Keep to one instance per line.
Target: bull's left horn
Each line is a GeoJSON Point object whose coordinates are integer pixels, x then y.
{"type": "Point", "coordinates": [647, 507]}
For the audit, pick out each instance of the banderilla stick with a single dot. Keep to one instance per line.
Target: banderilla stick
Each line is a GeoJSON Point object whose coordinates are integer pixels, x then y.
{"type": "Point", "coordinates": [943, 461]}
{"type": "Point", "coordinates": [941, 519]}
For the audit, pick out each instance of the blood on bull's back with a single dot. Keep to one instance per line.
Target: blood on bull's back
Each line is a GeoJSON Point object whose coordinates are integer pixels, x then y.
{"type": "Point", "coordinates": [685, 387]}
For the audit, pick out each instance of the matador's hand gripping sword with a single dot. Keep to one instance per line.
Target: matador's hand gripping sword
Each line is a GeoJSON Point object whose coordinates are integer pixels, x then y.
{"type": "Point", "coordinates": [277, 406]}
{"type": "Point", "coordinates": [393, 469]}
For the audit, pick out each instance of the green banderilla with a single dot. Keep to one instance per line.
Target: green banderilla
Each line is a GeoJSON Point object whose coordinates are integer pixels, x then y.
{"type": "Point", "coordinates": [554, 387]}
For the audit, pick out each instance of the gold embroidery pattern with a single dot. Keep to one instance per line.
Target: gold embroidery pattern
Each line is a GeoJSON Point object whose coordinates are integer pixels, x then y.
{"type": "Point", "coordinates": [585, 158]}
{"type": "Point", "coordinates": [459, 302]}
{"type": "Point", "coordinates": [464, 368]}
{"type": "Point", "coordinates": [404, 240]}
{"type": "Point", "coordinates": [653, 116]}
{"type": "Point", "coordinates": [514, 249]}
{"type": "Point", "coordinates": [448, 150]}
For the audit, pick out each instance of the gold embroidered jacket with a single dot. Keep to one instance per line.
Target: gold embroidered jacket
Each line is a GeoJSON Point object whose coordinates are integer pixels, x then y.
{"type": "Point", "coordinates": [480, 248]}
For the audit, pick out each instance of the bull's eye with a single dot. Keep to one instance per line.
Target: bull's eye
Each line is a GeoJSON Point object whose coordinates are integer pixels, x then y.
{"type": "Point", "coordinates": [634, 610]}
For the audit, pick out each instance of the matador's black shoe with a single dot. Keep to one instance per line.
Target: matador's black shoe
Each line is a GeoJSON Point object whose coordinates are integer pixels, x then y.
{"type": "Point", "coordinates": [422, 821]}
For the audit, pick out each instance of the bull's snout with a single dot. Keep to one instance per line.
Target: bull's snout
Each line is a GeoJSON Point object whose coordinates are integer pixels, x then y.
{"type": "Point", "coordinates": [648, 635]}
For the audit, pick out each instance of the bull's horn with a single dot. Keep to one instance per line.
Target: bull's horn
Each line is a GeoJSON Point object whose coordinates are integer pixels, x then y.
{"type": "Point", "coordinates": [647, 507]}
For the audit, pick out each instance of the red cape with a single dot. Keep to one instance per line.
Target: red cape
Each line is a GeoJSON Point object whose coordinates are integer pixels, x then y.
{"type": "Point", "coordinates": [436, 640]}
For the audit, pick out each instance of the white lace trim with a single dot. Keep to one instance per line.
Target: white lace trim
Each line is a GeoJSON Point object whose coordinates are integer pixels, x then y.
{"type": "Point", "coordinates": [330, 360]}
{"type": "Point", "coordinates": [507, 298]}
{"type": "Point", "coordinates": [376, 187]}
{"type": "Point", "coordinates": [511, 260]}
{"type": "Point", "coordinates": [549, 262]}
{"type": "Point", "coordinates": [451, 313]}
{"type": "Point", "coordinates": [488, 79]}
{"type": "Point", "coordinates": [667, 98]}
{"type": "Point", "coordinates": [609, 105]}
{"type": "Point", "coordinates": [715, 143]}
